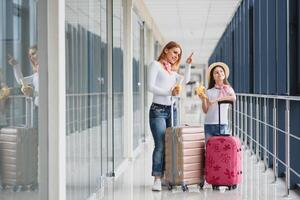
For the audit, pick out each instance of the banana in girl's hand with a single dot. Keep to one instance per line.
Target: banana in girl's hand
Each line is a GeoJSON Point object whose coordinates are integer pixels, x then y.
{"type": "Point", "coordinates": [200, 90]}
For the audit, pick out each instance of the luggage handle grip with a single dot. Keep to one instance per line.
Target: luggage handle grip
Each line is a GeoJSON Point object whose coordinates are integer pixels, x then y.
{"type": "Point", "coordinates": [232, 115]}
{"type": "Point", "coordinates": [177, 98]}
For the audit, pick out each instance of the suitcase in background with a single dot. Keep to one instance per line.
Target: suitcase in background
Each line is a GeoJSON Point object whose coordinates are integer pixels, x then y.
{"type": "Point", "coordinates": [184, 155]}
{"type": "Point", "coordinates": [19, 157]}
{"type": "Point", "coordinates": [223, 159]}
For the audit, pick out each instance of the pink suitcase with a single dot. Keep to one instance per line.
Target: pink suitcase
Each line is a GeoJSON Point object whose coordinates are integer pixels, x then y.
{"type": "Point", "coordinates": [223, 160]}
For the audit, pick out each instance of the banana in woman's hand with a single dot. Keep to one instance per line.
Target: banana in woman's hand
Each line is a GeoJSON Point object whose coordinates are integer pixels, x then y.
{"type": "Point", "coordinates": [4, 92]}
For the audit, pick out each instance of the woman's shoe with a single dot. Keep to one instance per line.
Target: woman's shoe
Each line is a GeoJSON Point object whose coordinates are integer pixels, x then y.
{"type": "Point", "coordinates": [157, 185]}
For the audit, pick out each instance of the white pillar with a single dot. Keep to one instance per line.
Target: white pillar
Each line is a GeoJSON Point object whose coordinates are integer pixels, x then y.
{"type": "Point", "coordinates": [52, 98]}
{"type": "Point", "coordinates": [128, 100]}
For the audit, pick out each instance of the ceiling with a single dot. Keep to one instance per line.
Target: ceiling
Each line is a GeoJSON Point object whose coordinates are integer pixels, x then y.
{"type": "Point", "coordinates": [196, 25]}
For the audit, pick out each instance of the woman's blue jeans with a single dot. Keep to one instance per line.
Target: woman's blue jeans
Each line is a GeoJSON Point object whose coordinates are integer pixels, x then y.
{"type": "Point", "coordinates": [160, 119]}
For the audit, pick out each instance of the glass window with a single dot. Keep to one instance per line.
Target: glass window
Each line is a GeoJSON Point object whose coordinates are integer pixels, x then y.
{"type": "Point", "coordinates": [19, 87]}
{"type": "Point", "coordinates": [118, 92]}
{"type": "Point", "coordinates": [136, 82]}
{"type": "Point", "coordinates": [86, 85]}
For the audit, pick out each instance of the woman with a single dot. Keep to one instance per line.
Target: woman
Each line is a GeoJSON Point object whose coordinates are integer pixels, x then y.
{"type": "Point", "coordinates": [163, 82]}
{"type": "Point", "coordinates": [29, 81]}
{"type": "Point", "coordinates": [219, 89]}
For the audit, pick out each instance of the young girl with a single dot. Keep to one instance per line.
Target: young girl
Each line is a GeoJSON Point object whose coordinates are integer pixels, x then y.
{"type": "Point", "coordinates": [218, 90]}
{"type": "Point", "coordinates": [163, 83]}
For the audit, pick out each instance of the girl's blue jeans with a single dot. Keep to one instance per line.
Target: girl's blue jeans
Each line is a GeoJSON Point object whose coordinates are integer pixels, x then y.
{"type": "Point", "coordinates": [160, 119]}
{"type": "Point", "coordinates": [214, 130]}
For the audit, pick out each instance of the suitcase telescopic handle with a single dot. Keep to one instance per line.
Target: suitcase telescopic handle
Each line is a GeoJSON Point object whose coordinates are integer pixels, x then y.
{"type": "Point", "coordinates": [177, 104]}
{"type": "Point", "coordinates": [232, 114]}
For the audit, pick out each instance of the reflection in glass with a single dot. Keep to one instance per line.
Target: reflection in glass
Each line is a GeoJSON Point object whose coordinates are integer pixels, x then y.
{"type": "Point", "coordinates": [86, 90]}
{"type": "Point", "coordinates": [136, 83]}
{"type": "Point", "coordinates": [19, 86]}
{"type": "Point", "coordinates": [118, 93]}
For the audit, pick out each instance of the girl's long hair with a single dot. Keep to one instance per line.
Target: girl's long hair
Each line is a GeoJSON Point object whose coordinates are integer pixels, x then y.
{"type": "Point", "coordinates": [212, 81]}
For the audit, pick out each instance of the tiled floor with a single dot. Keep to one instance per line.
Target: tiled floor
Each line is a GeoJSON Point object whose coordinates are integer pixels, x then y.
{"type": "Point", "coordinates": [135, 184]}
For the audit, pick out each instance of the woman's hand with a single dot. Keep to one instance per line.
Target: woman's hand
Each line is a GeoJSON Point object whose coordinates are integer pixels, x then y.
{"type": "Point", "coordinates": [189, 60]}
{"type": "Point", "coordinates": [176, 90]}
{"type": "Point", "coordinates": [4, 93]}
{"type": "Point", "coordinates": [12, 61]}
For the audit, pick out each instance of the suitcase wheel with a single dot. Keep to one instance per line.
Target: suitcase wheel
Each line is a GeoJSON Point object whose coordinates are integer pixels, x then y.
{"type": "Point", "coordinates": [232, 187]}
{"type": "Point", "coordinates": [170, 187]}
{"type": "Point", "coordinates": [184, 188]}
{"type": "Point", "coordinates": [201, 185]}
{"type": "Point", "coordinates": [215, 187]}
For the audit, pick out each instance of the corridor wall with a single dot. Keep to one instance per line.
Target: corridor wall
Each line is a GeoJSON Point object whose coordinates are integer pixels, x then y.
{"type": "Point", "coordinates": [261, 47]}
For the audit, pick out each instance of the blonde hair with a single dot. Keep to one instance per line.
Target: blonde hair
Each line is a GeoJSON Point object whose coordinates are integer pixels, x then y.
{"type": "Point", "coordinates": [171, 45]}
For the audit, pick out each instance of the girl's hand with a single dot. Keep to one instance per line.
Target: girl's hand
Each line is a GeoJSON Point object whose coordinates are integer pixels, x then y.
{"type": "Point", "coordinates": [212, 102]}
{"type": "Point", "coordinates": [202, 96]}
{"type": "Point", "coordinates": [201, 92]}
{"type": "Point", "coordinates": [27, 90]}
{"type": "Point", "coordinates": [189, 60]}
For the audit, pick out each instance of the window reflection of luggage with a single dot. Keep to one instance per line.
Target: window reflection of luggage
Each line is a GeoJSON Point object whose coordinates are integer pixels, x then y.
{"type": "Point", "coordinates": [19, 156]}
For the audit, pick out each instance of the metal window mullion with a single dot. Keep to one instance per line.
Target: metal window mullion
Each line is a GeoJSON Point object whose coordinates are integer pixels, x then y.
{"type": "Point", "coordinates": [275, 163]}
{"type": "Point", "coordinates": [251, 125]}
{"type": "Point", "coordinates": [246, 121]}
{"type": "Point", "coordinates": [242, 120]}
{"type": "Point", "coordinates": [265, 134]}
{"type": "Point", "coordinates": [287, 147]}
{"type": "Point", "coordinates": [238, 117]}
{"type": "Point", "coordinates": [257, 130]}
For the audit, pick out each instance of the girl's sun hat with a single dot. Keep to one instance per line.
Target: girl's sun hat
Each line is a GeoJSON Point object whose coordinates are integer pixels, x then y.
{"type": "Point", "coordinates": [215, 64]}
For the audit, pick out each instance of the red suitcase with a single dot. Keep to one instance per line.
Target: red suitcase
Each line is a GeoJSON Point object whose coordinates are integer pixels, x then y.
{"type": "Point", "coordinates": [223, 159]}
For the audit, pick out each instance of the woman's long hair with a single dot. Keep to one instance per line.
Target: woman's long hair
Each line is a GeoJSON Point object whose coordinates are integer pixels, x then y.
{"type": "Point", "coordinates": [32, 55]}
{"type": "Point", "coordinates": [171, 45]}
{"type": "Point", "coordinates": [212, 81]}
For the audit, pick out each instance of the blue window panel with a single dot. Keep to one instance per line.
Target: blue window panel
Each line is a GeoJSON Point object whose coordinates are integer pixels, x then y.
{"type": "Point", "coordinates": [246, 46]}
{"type": "Point", "coordinates": [294, 144]}
{"type": "Point", "coordinates": [231, 47]}
{"type": "Point", "coordinates": [251, 45]}
{"type": "Point", "coordinates": [281, 136]}
{"type": "Point", "coordinates": [239, 61]}
{"type": "Point", "coordinates": [235, 64]}
{"type": "Point", "coordinates": [298, 38]}
{"type": "Point", "coordinates": [263, 47]}
{"type": "Point", "coordinates": [271, 50]}
{"type": "Point", "coordinates": [294, 78]}
{"type": "Point", "coordinates": [242, 45]}
{"type": "Point", "coordinates": [256, 48]}
{"type": "Point", "coordinates": [281, 23]}
{"type": "Point", "coordinates": [281, 57]}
